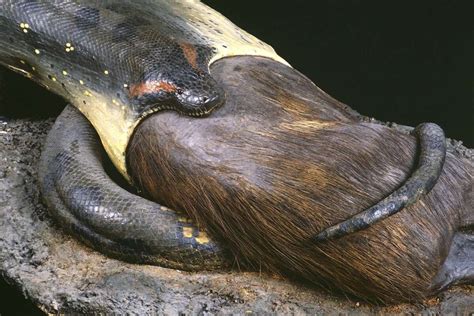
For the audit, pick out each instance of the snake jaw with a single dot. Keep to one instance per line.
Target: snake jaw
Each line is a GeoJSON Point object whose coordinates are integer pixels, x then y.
{"type": "Point", "coordinates": [187, 94]}
{"type": "Point", "coordinates": [157, 108]}
{"type": "Point", "coordinates": [200, 100]}
{"type": "Point", "coordinates": [201, 111]}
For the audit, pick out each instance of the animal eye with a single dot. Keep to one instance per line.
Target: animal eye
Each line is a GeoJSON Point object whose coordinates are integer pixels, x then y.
{"type": "Point", "coordinates": [179, 91]}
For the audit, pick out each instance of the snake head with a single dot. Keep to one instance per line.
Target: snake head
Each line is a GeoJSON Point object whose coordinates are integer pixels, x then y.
{"type": "Point", "coordinates": [198, 95]}
{"type": "Point", "coordinates": [193, 93]}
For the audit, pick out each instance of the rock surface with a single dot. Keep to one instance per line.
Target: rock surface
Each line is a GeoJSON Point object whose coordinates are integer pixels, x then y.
{"type": "Point", "coordinates": [59, 274]}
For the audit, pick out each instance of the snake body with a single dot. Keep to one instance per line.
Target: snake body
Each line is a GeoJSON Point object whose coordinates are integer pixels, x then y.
{"type": "Point", "coordinates": [117, 62]}
{"type": "Point", "coordinates": [107, 48]}
{"type": "Point", "coordinates": [81, 196]}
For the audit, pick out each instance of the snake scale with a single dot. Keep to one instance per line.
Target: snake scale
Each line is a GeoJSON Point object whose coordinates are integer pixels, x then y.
{"type": "Point", "coordinates": [117, 62]}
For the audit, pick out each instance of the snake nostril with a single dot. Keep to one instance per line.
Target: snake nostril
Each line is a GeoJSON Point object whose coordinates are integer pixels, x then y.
{"type": "Point", "coordinates": [200, 73]}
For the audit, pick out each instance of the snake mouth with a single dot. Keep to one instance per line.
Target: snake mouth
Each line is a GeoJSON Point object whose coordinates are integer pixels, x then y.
{"type": "Point", "coordinates": [191, 112]}
{"type": "Point", "coordinates": [203, 110]}
{"type": "Point", "coordinates": [201, 106]}
{"type": "Point", "coordinates": [202, 113]}
{"type": "Point", "coordinates": [183, 103]}
{"type": "Point", "coordinates": [196, 105]}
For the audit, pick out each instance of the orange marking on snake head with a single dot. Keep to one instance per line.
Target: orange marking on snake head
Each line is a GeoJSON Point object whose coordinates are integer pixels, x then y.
{"type": "Point", "coordinates": [149, 87]}
{"type": "Point", "coordinates": [190, 53]}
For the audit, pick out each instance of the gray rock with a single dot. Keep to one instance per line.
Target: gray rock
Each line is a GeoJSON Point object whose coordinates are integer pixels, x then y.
{"type": "Point", "coordinates": [59, 274]}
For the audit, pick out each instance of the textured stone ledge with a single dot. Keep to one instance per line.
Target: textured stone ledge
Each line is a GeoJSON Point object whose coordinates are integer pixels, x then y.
{"type": "Point", "coordinates": [59, 274]}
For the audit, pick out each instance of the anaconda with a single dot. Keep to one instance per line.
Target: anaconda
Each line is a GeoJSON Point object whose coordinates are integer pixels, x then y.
{"type": "Point", "coordinates": [118, 62]}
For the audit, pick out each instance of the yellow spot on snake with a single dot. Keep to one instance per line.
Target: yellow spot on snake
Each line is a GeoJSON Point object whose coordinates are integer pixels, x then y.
{"type": "Point", "coordinates": [183, 219]}
{"type": "Point", "coordinates": [37, 51]}
{"type": "Point", "coordinates": [69, 47]}
{"type": "Point", "coordinates": [23, 62]}
{"type": "Point", "coordinates": [81, 82]}
{"type": "Point", "coordinates": [33, 68]}
{"type": "Point", "coordinates": [202, 238]}
{"type": "Point", "coordinates": [125, 85]}
{"type": "Point", "coordinates": [87, 93]}
{"type": "Point", "coordinates": [188, 232]}
{"type": "Point", "coordinates": [24, 27]}
{"type": "Point", "coordinates": [106, 72]}
{"type": "Point", "coordinates": [115, 102]}
{"type": "Point", "coordinates": [53, 78]}
{"type": "Point", "coordinates": [65, 72]}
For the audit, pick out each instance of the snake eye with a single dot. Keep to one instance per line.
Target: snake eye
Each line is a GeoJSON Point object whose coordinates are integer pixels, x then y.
{"type": "Point", "coordinates": [179, 91]}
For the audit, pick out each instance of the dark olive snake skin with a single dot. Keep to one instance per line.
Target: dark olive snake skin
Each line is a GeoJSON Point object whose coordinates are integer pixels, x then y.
{"type": "Point", "coordinates": [137, 58]}
{"type": "Point", "coordinates": [85, 201]}
{"type": "Point", "coordinates": [84, 39]}
{"type": "Point", "coordinates": [118, 61]}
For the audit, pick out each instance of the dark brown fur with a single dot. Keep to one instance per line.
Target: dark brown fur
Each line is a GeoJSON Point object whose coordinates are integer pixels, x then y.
{"type": "Point", "coordinates": [280, 162]}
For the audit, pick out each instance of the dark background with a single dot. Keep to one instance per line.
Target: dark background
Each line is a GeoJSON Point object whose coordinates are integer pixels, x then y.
{"type": "Point", "coordinates": [400, 61]}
